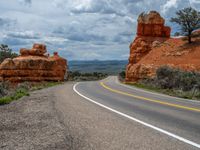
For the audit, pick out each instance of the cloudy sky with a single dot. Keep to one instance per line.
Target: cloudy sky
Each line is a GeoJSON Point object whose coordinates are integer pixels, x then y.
{"type": "Point", "coordinates": [80, 29]}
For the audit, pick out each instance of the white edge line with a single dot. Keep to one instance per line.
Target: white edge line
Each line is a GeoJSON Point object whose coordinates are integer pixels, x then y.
{"type": "Point", "coordinates": [138, 121]}
{"type": "Point", "coordinates": [154, 93]}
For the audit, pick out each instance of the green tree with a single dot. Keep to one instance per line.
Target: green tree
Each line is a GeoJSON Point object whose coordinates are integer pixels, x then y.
{"type": "Point", "coordinates": [6, 52]}
{"type": "Point", "coordinates": [189, 20]}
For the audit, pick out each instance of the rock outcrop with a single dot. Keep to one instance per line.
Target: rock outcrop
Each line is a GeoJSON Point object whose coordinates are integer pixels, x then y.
{"type": "Point", "coordinates": [151, 31]}
{"type": "Point", "coordinates": [152, 25]}
{"type": "Point", "coordinates": [33, 65]}
{"type": "Point", "coordinates": [153, 48]}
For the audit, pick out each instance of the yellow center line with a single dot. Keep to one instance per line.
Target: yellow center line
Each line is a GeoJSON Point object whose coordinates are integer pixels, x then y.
{"type": "Point", "coordinates": [150, 100]}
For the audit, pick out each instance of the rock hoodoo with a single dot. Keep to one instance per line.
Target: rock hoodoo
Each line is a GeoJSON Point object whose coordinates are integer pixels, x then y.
{"type": "Point", "coordinates": [151, 31]}
{"type": "Point", "coordinates": [152, 25]}
{"type": "Point", "coordinates": [33, 65]}
{"type": "Point", "coordinates": [153, 48]}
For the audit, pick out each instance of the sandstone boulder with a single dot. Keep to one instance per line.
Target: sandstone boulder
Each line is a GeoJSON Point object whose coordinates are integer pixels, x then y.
{"type": "Point", "coordinates": [33, 65]}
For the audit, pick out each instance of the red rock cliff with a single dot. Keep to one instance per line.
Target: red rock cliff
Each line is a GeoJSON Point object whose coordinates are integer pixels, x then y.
{"type": "Point", "coordinates": [33, 65]}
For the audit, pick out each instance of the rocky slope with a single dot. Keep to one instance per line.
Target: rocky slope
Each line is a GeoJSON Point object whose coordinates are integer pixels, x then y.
{"type": "Point", "coordinates": [33, 65]}
{"type": "Point", "coordinates": [154, 48]}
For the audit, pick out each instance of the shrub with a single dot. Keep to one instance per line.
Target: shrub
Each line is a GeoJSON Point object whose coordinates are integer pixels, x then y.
{"type": "Point", "coordinates": [170, 78]}
{"type": "Point", "coordinates": [176, 82]}
{"type": "Point", "coordinates": [122, 75]}
{"type": "Point", "coordinates": [24, 85]}
{"type": "Point", "coordinates": [5, 100]}
{"type": "Point", "coordinates": [20, 93]}
{"type": "Point", "coordinates": [4, 88]}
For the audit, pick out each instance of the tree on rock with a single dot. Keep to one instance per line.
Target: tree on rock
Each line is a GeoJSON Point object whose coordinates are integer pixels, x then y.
{"type": "Point", "coordinates": [189, 20]}
{"type": "Point", "coordinates": [6, 52]}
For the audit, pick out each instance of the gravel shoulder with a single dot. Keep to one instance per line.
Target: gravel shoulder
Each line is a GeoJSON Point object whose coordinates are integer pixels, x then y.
{"type": "Point", "coordinates": [32, 123]}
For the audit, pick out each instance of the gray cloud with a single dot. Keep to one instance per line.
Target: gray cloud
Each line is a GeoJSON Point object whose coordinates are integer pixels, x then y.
{"type": "Point", "coordinates": [23, 35]}
{"type": "Point", "coordinates": [13, 41]}
{"type": "Point", "coordinates": [26, 2]}
{"type": "Point", "coordinates": [6, 22]}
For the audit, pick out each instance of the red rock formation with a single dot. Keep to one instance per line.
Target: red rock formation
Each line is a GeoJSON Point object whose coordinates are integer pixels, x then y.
{"type": "Point", "coordinates": [150, 33]}
{"type": "Point", "coordinates": [153, 48]}
{"type": "Point", "coordinates": [152, 25]}
{"type": "Point", "coordinates": [33, 65]}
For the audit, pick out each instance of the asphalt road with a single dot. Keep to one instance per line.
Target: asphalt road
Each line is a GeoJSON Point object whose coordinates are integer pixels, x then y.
{"type": "Point", "coordinates": [174, 118]}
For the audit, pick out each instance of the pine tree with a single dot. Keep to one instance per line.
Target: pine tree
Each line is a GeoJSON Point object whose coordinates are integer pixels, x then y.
{"type": "Point", "coordinates": [189, 20]}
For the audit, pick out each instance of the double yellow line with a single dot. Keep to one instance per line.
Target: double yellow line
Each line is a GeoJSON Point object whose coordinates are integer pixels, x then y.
{"type": "Point", "coordinates": [150, 100]}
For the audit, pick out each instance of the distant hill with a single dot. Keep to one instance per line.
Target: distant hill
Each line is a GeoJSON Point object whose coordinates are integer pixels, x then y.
{"type": "Point", "coordinates": [111, 67]}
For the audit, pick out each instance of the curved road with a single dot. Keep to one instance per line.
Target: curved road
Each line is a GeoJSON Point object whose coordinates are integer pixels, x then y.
{"type": "Point", "coordinates": [173, 117]}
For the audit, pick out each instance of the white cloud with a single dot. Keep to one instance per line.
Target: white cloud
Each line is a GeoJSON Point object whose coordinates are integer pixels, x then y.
{"type": "Point", "coordinates": [24, 35]}
{"type": "Point", "coordinates": [195, 3]}
{"type": "Point", "coordinates": [169, 4]}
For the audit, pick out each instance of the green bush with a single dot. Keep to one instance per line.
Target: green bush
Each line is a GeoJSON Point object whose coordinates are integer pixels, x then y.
{"type": "Point", "coordinates": [17, 95]}
{"type": "Point", "coordinates": [22, 89]}
{"type": "Point", "coordinates": [6, 52]}
{"type": "Point", "coordinates": [5, 100]}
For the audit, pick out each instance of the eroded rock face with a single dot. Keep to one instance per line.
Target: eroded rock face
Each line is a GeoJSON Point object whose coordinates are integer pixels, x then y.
{"type": "Point", "coordinates": [151, 32]}
{"type": "Point", "coordinates": [34, 65]}
{"type": "Point", "coordinates": [152, 25]}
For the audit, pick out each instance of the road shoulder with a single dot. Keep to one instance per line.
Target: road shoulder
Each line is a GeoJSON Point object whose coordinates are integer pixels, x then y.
{"type": "Point", "coordinates": [32, 123]}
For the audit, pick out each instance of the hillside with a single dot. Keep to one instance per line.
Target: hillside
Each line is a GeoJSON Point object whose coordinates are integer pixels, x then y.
{"type": "Point", "coordinates": [176, 52]}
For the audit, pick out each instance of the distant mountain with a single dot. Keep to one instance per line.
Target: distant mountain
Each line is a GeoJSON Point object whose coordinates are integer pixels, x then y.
{"type": "Point", "coordinates": [111, 67]}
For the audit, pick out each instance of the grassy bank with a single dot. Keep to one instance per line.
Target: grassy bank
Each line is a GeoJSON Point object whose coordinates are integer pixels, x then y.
{"type": "Point", "coordinates": [172, 92]}
{"type": "Point", "coordinates": [171, 81]}
{"type": "Point", "coordinates": [9, 93]}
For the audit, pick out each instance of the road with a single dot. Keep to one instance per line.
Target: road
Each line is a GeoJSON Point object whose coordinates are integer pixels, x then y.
{"type": "Point", "coordinates": [173, 118]}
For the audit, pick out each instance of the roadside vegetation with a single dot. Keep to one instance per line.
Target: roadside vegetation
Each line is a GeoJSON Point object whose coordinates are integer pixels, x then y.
{"type": "Point", "coordinates": [77, 76]}
{"type": "Point", "coordinates": [10, 92]}
{"type": "Point", "coordinates": [174, 82]}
